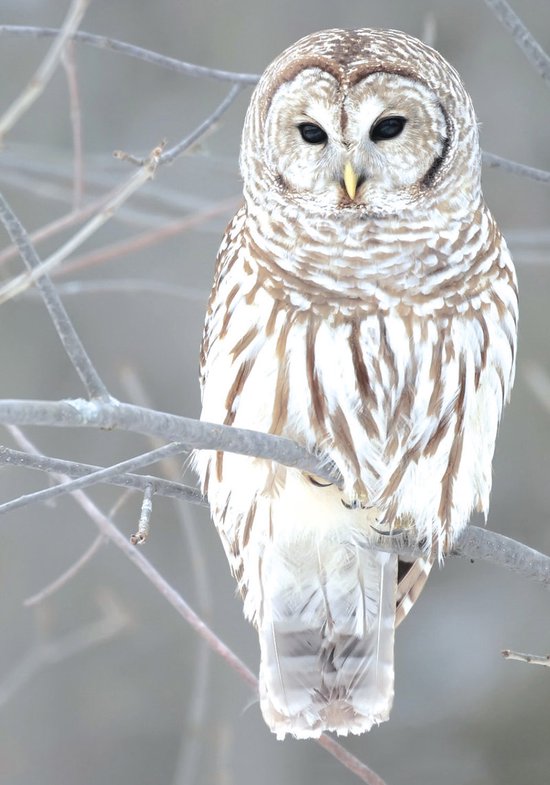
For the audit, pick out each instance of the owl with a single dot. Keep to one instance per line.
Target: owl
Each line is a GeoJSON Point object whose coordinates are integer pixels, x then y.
{"type": "Point", "coordinates": [365, 306]}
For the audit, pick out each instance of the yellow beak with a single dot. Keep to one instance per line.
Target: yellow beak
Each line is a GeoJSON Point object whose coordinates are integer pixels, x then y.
{"type": "Point", "coordinates": [350, 180]}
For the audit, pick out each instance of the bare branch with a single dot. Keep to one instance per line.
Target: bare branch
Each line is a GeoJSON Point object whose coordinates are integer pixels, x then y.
{"type": "Point", "coordinates": [205, 126]}
{"type": "Point", "coordinates": [480, 544]}
{"type": "Point", "coordinates": [46, 69]}
{"type": "Point", "coordinates": [59, 316]}
{"type": "Point", "coordinates": [65, 577]}
{"type": "Point", "coordinates": [44, 463]}
{"type": "Point", "coordinates": [56, 226]}
{"type": "Point", "coordinates": [102, 42]}
{"type": "Point", "coordinates": [353, 764]}
{"type": "Point", "coordinates": [129, 286]}
{"type": "Point", "coordinates": [497, 162]}
{"type": "Point", "coordinates": [44, 655]}
{"type": "Point", "coordinates": [530, 47]}
{"type": "Point", "coordinates": [121, 195]}
{"type": "Point", "coordinates": [92, 475]}
{"type": "Point", "coordinates": [476, 543]}
{"type": "Point", "coordinates": [69, 64]}
{"type": "Point", "coordinates": [113, 414]}
{"type": "Point", "coordinates": [531, 659]}
{"type": "Point", "coordinates": [144, 525]}
{"type": "Point", "coordinates": [151, 237]}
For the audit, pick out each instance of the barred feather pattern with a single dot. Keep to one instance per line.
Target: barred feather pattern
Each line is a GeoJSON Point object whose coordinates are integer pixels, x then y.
{"type": "Point", "coordinates": [385, 339]}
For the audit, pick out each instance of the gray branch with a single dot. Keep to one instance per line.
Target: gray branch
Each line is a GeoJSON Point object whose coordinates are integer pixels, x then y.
{"type": "Point", "coordinates": [59, 316]}
{"type": "Point", "coordinates": [504, 12]}
{"type": "Point", "coordinates": [497, 162]}
{"type": "Point", "coordinates": [112, 414]}
{"type": "Point", "coordinates": [476, 543]}
{"type": "Point", "coordinates": [92, 476]}
{"type": "Point", "coordinates": [110, 44]}
{"type": "Point", "coordinates": [526, 41]}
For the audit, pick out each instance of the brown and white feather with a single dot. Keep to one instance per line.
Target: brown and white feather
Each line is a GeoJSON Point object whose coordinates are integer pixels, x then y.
{"type": "Point", "coordinates": [380, 330]}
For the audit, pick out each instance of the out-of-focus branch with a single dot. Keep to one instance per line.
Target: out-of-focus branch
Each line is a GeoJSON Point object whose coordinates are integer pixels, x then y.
{"type": "Point", "coordinates": [530, 659]}
{"type": "Point", "coordinates": [65, 577]}
{"type": "Point", "coordinates": [67, 334]}
{"type": "Point", "coordinates": [526, 41]}
{"type": "Point", "coordinates": [46, 69]}
{"type": "Point", "coordinates": [497, 162]}
{"type": "Point", "coordinates": [111, 622]}
{"type": "Point", "coordinates": [153, 58]}
{"type": "Point", "coordinates": [39, 268]}
{"type": "Point", "coordinates": [200, 130]}
{"type": "Point", "coordinates": [151, 237]}
{"type": "Point", "coordinates": [68, 60]}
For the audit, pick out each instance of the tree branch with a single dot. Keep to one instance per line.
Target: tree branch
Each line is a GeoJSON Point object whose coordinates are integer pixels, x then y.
{"type": "Point", "coordinates": [121, 47]}
{"type": "Point", "coordinates": [111, 414]}
{"type": "Point", "coordinates": [46, 69]}
{"type": "Point", "coordinates": [497, 162]}
{"type": "Point", "coordinates": [526, 41]}
{"type": "Point", "coordinates": [44, 463]}
{"type": "Point", "coordinates": [476, 543]}
{"type": "Point", "coordinates": [59, 316]}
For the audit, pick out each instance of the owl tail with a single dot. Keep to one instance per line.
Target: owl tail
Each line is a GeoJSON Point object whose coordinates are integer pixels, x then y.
{"type": "Point", "coordinates": [327, 640]}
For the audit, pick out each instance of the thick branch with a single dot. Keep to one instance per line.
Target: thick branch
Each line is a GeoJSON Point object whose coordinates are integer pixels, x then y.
{"type": "Point", "coordinates": [476, 543]}
{"type": "Point", "coordinates": [111, 414]}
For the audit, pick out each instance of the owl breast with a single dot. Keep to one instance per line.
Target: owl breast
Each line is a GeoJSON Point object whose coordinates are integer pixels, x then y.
{"type": "Point", "coordinates": [406, 404]}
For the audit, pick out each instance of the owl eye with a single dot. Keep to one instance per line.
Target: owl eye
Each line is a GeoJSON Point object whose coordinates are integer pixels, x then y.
{"type": "Point", "coordinates": [388, 128]}
{"type": "Point", "coordinates": [312, 134]}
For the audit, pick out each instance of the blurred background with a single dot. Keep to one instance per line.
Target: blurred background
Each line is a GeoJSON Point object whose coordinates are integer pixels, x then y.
{"type": "Point", "coordinates": [102, 682]}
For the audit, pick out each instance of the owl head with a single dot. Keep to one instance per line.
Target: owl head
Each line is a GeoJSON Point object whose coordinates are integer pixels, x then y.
{"type": "Point", "coordinates": [365, 121]}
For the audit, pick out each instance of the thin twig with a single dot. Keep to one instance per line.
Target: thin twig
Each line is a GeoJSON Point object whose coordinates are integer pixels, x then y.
{"type": "Point", "coordinates": [205, 126]}
{"type": "Point", "coordinates": [140, 241]}
{"type": "Point", "coordinates": [193, 736]}
{"type": "Point", "coordinates": [153, 58]}
{"type": "Point", "coordinates": [54, 227]}
{"type": "Point", "coordinates": [53, 652]}
{"type": "Point", "coordinates": [122, 194]}
{"type": "Point", "coordinates": [59, 316]}
{"type": "Point", "coordinates": [108, 474]}
{"type": "Point", "coordinates": [45, 70]}
{"type": "Point", "coordinates": [129, 286]}
{"type": "Point", "coordinates": [144, 525]}
{"type": "Point", "coordinates": [528, 44]}
{"type": "Point", "coordinates": [531, 659]}
{"type": "Point", "coordinates": [497, 162]}
{"type": "Point", "coordinates": [69, 64]}
{"type": "Point", "coordinates": [353, 764]}
{"type": "Point", "coordinates": [66, 576]}
{"type": "Point", "coordinates": [44, 463]}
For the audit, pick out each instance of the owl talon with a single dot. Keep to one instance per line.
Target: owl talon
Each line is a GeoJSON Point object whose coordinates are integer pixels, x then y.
{"type": "Point", "coordinates": [318, 483]}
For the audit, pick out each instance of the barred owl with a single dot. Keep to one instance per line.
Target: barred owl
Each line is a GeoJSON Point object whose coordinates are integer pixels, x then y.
{"type": "Point", "coordinates": [365, 306]}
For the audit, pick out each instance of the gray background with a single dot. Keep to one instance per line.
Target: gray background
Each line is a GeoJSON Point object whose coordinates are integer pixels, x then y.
{"type": "Point", "coordinates": [147, 704]}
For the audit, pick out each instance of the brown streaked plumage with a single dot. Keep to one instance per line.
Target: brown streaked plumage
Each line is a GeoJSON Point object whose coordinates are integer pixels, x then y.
{"type": "Point", "coordinates": [364, 305]}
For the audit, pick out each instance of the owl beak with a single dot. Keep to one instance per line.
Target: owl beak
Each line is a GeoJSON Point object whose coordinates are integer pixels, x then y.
{"type": "Point", "coordinates": [350, 180]}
